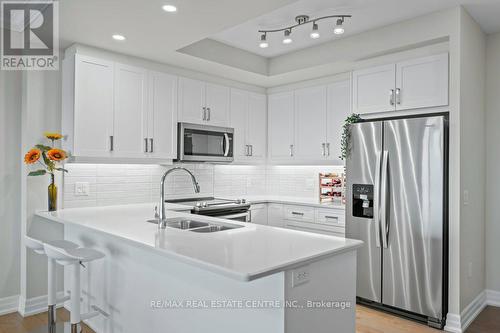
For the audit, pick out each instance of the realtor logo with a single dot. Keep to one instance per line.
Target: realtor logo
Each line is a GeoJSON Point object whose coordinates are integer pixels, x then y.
{"type": "Point", "coordinates": [30, 35]}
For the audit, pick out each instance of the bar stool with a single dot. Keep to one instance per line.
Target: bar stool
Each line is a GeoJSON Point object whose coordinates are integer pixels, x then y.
{"type": "Point", "coordinates": [37, 247]}
{"type": "Point", "coordinates": [75, 257]}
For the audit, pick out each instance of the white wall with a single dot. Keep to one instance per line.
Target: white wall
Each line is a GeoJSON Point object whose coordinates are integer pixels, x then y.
{"type": "Point", "coordinates": [493, 162]}
{"type": "Point", "coordinates": [472, 159]}
{"type": "Point", "coordinates": [10, 187]}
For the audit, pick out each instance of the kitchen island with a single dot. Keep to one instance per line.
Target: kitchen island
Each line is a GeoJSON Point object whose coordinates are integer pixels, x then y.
{"type": "Point", "coordinates": [248, 279]}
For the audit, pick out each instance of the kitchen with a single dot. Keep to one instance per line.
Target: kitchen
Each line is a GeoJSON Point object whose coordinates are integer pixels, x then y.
{"type": "Point", "coordinates": [246, 127]}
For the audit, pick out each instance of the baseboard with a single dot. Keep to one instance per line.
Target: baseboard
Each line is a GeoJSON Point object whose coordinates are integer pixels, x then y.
{"type": "Point", "coordinates": [35, 305]}
{"type": "Point", "coordinates": [459, 323]}
{"type": "Point", "coordinates": [493, 297]}
{"type": "Point", "coordinates": [9, 304]}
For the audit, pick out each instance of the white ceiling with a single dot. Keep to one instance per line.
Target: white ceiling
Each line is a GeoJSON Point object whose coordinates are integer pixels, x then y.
{"type": "Point", "coordinates": [367, 14]}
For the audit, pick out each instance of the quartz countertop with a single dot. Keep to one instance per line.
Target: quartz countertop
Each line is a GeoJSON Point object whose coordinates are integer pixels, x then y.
{"type": "Point", "coordinates": [245, 254]}
{"type": "Point", "coordinates": [292, 201]}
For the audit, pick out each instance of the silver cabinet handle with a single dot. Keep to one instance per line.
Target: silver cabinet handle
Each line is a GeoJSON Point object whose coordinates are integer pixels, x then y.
{"type": "Point", "coordinates": [298, 213]}
{"type": "Point", "coordinates": [327, 149]}
{"type": "Point", "coordinates": [251, 150]}
{"type": "Point", "coordinates": [398, 96]}
{"type": "Point", "coordinates": [247, 150]}
{"type": "Point", "coordinates": [323, 148]}
{"type": "Point", "coordinates": [331, 217]}
{"type": "Point", "coordinates": [204, 113]}
{"type": "Point", "coordinates": [291, 150]}
{"type": "Point", "coordinates": [226, 140]}
{"type": "Point", "coordinates": [146, 145]}
{"type": "Point", "coordinates": [209, 114]}
{"type": "Point", "coordinates": [151, 145]}
{"type": "Point", "coordinates": [111, 143]}
{"type": "Point", "coordinates": [384, 228]}
{"type": "Point", "coordinates": [391, 96]}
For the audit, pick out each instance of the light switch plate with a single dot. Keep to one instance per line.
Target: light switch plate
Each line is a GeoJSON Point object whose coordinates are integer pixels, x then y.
{"type": "Point", "coordinates": [82, 189]}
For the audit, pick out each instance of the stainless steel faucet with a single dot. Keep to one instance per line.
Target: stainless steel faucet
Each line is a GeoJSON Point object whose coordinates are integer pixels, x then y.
{"type": "Point", "coordinates": [162, 221]}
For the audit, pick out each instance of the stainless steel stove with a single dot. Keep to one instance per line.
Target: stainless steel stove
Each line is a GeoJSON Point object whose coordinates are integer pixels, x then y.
{"type": "Point", "coordinates": [238, 209]}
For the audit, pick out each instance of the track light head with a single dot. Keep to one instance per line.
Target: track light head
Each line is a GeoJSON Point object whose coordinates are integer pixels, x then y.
{"type": "Point", "coordinates": [314, 33]}
{"type": "Point", "coordinates": [287, 39]}
{"type": "Point", "coordinates": [339, 29]}
{"type": "Point", "coordinates": [263, 41]}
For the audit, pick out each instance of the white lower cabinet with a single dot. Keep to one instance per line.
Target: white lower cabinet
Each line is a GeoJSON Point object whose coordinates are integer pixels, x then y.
{"type": "Point", "coordinates": [259, 214]}
{"type": "Point", "coordinates": [275, 215]}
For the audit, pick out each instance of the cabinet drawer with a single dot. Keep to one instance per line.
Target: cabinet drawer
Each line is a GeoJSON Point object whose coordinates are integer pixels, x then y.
{"type": "Point", "coordinates": [299, 213]}
{"type": "Point", "coordinates": [330, 217]}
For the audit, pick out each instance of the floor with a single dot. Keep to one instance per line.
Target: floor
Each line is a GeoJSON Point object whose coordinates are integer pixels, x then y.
{"type": "Point", "coordinates": [368, 321]}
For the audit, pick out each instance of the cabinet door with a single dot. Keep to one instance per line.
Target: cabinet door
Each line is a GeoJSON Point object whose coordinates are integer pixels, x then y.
{"type": "Point", "coordinates": [257, 126]}
{"type": "Point", "coordinates": [422, 83]}
{"type": "Point", "coordinates": [93, 107]}
{"type": "Point", "coordinates": [373, 89]}
{"type": "Point", "coordinates": [259, 214]}
{"type": "Point", "coordinates": [239, 107]}
{"type": "Point", "coordinates": [162, 116]}
{"type": "Point", "coordinates": [217, 103]}
{"type": "Point", "coordinates": [280, 122]}
{"type": "Point", "coordinates": [339, 108]}
{"type": "Point", "coordinates": [191, 101]}
{"type": "Point", "coordinates": [130, 116]}
{"type": "Point", "coordinates": [275, 215]}
{"type": "Point", "coordinates": [310, 123]}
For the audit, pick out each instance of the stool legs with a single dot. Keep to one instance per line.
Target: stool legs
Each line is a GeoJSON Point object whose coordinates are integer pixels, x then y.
{"type": "Point", "coordinates": [51, 292]}
{"type": "Point", "coordinates": [75, 297]}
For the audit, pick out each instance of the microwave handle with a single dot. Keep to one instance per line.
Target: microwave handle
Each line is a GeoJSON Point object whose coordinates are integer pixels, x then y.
{"type": "Point", "coordinates": [226, 140]}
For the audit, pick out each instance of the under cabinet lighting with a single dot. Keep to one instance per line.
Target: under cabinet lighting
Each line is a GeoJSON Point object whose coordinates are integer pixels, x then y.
{"type": "Point", "coordinates": [169, 8]}
{"type": "Point", "coordinates": [119, 37]}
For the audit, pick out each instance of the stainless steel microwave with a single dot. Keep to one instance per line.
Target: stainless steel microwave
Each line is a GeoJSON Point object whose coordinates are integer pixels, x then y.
{"type": "Point", "coordinates": [202, 143]}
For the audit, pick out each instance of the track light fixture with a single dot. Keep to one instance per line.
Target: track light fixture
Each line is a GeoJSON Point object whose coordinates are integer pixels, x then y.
{"type": "Point", "coordinates": [301, 20]}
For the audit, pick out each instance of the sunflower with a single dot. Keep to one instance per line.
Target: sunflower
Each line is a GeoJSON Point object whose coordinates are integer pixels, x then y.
{"type": "Point", "coordinates": [56, 154]}
{"type": "Point", "coordinates": [53, 135]}
{"type": "Point", "coordinates": [32, 156]}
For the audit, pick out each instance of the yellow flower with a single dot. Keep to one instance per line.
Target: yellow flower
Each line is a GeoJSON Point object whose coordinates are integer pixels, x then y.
{"type": "Point", "coordinates": [32, 156]}
{"type": "Point", "coordinates": [53, 135]}
{"type": "Point", "coordinates": [56, 154]}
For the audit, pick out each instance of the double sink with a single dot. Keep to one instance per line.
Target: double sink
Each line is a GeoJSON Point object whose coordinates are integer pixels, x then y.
{"type": "Point", "coordinates": [197, 226]}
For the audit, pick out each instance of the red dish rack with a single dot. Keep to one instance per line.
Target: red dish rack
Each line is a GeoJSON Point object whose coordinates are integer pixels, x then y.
{"type": "Point", "coordinates": [332, 187]}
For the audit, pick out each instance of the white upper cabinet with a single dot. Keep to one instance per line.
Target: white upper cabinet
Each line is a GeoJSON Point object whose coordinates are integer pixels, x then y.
{"type": "Point", "coordinates": [338, 109]}
{"type": "Point", "coordinates": [310, 123]}
{"type": "Point", "coordinates": [192, 101]}
{"type": "Point", "coordinates": [422, 83]}
{"type": "Point", "coordinates": [249, 120]}
{"type": "Point", "coordinates": [413, 84]}
{"type": "Point", "coordinates": [257, 126]}
{"type": "Point", "coordinates": [130, 113]}
{"type": "Point", "coordinates": [161, 141]}
{"type": "Point", "coordinates": [217, 104]}
{"type": "Point", "coordinates": [281, 126]}
{"type": "Point", "coordinates": [203, 103]}
{"type": "Point", "coordinates": [88, 121]}
{"type": "Point", "coordinates": [113, 110]}
{"type": "Point", "coordinates": [373, 89]}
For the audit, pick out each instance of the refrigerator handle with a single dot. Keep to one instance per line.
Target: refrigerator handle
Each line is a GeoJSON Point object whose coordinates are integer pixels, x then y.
{"type": "Point", "coordinates": [383, 202]}
{"type": "Point", "coordinates": [376, 200]}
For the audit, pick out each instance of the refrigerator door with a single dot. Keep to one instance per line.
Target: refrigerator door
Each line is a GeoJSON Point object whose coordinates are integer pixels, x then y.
{"type": "Point", "coordinates": [412, 214]}
{"type": "Point", "coordinates": [363, 176]}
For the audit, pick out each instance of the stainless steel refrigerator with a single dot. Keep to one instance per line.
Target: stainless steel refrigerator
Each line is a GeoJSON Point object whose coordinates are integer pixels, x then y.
{"type": "Point", "coordinates": [397, 205]}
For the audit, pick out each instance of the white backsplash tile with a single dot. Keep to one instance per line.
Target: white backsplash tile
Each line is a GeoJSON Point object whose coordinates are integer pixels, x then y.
{"type": "Point", "coordinates": [113, 184]}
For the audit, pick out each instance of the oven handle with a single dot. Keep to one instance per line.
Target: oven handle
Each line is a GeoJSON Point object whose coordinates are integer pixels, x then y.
{"type": "Point", "coordinates": [235, 216]}
{"type": "Point", "coordinates": [226, 139]}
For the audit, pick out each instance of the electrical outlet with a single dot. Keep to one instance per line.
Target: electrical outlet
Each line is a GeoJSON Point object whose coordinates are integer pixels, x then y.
{"type": "Point", "coordinates": [300, 276]}
{"type": "Point", "coordinates": [82, 189]}
{"type": "Point", "coordinates": [466, 197]}
{"type": "Point", "coordinates": [469, 267]}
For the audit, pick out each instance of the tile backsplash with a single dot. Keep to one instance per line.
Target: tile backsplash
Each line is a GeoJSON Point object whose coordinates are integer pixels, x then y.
{"type": "Point", "coordinates": [114, 184]}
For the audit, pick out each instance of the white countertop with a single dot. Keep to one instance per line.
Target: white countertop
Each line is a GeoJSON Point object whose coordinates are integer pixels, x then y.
{"type": "Point", "coordinates": [292, 201]}
{"type": "Point", "coordinates": [245, 253]}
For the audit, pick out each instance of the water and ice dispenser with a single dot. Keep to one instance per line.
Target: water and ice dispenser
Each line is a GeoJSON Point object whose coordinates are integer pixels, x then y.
{"type": "Point", "coordinates": [362, 200]}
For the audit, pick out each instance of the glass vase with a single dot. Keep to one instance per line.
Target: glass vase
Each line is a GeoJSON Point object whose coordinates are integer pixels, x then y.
{"type": "Point", "coordinates": [52, 192]}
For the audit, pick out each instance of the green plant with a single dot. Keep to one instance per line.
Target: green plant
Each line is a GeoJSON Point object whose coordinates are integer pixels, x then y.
{"type": "Point", "coordinates": [346, 135]}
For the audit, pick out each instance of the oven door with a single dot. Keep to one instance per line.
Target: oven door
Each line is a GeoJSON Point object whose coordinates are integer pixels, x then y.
{"type": "Point", "coordinates": [242, 217]}
{"type": "Point", "coordinates": [202, 143]}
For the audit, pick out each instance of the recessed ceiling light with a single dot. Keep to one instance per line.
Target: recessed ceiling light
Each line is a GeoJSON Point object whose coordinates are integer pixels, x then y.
{"type": "Point", "coordinates": [119, 37]}
{"type": "Point", "coordinates": [169, 8]}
